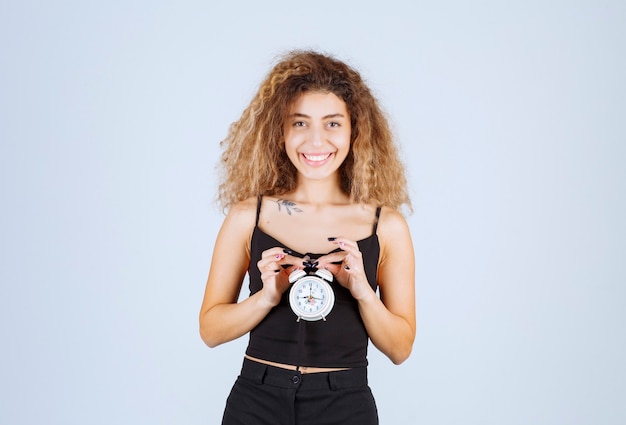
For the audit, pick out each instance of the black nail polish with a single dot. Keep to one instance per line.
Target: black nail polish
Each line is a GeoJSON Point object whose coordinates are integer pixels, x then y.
{"type": "Point", "coordinates": [332, 239]}
{"type": "Point", "coordinates": [277, 270]}
{"type": "Point", "coordinates": [287, 251]}
{"type": "Point", "coordinates": [346, 267]}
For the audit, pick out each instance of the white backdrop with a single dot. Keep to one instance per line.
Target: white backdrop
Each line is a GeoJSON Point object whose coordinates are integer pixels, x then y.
{"type": "Point", "coordinates": [511, 120]}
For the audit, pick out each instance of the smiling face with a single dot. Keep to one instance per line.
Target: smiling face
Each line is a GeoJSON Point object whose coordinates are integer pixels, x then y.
{"type": "Point", "coordinates": [317, 135]}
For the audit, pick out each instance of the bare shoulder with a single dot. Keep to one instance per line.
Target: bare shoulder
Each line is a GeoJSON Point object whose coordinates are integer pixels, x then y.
{"type": "Point", "coordinates": [240, 220]}
{"type": "Point", "coordinates": [244, 211]}
{"type": "Point", "coordinates": [392, 224]}
{"type": "Point", "coordinates": [394, 236]}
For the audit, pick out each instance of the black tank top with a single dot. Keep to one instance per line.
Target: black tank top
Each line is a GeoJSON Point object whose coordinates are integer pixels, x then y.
{"type": "Point", "coordinates": [340, 341]}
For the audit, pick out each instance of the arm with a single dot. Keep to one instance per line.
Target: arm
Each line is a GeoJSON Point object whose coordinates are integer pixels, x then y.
{"type": "Point", "coordinates": [390, 319]}
{"type": "Point", "coordinates": [222, 319]}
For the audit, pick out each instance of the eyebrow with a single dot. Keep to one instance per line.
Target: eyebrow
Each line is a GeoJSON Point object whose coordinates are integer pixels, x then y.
{"type": "Point", "coordinates": [325, 117]}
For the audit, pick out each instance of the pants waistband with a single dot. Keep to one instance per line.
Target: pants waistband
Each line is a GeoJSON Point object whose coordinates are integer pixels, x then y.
{"type": "Point", "coordinates": [264, 374]}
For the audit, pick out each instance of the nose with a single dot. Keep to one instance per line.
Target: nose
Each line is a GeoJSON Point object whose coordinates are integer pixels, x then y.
{"type": "Point", "coordinates": [317, 136]}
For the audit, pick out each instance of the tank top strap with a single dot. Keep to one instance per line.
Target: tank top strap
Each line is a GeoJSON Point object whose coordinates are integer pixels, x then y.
{"type": "Point", "coordinates": [375, 221]}
{"type": "Point", "coordinates": [258, 209]}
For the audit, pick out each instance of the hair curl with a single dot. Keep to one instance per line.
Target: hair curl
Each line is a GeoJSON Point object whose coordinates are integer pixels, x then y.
{"type": "Point", "coordinates": [254, 161]}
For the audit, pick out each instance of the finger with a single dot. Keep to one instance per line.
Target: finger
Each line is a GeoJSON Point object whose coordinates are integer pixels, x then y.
{"type": "Point", "coordinates": [280, 255]}
{"type": "Point", "coordinates": [332, 259]}
{"type": "Point", "coordinates": [344, 244]}
{"type": "Point", "coordinates": [333, 268]}
{"type": "Point", "coordinates": [269, 276]}
{"type": "Point", "coordinates": [354, 260]}
{"type": "Point", "coordinates": [272, 254]}
{"type": "Point", "coordinates": [287, 258]}
{"type": "Point", "coordinates": [273, 251]}
{"type": "Point", "coordinates": [353, 256]}
{"type": "Point", "coordinates": [267, 264]}
{"type": "Point", "coordinates": [273, 267]}
{"type": "Point", "coordinates": [270, 259]}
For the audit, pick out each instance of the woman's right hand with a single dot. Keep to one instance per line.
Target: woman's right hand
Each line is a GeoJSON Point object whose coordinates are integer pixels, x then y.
{"type": "Point", "coordinates": [275, 266]}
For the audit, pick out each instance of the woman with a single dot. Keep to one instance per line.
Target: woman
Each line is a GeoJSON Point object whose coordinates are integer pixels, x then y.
{"type": "Point", "coordinates": [312, 183]}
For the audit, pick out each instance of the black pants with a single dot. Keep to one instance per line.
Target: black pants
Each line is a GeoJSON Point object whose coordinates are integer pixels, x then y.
{"type": "Point", "coordinates": [267, 395]}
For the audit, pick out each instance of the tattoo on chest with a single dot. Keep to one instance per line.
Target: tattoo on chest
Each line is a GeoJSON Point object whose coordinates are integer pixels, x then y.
{"type": "Point", "coordinates": [287, 205]}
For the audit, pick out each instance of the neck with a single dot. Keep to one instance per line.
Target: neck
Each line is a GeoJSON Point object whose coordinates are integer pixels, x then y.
{"type": "Point", "coordinates": [319, 192]}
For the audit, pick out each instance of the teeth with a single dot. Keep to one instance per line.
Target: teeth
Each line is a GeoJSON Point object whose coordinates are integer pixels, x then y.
{"type": "Point", "coordinates": [316, 157]}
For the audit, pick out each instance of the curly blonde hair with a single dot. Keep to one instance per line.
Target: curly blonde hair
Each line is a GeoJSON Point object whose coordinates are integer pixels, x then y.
{"type": "Point", "coordinates": [254, 161]}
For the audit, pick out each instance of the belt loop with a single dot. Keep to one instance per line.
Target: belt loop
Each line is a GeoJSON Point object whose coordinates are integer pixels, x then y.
{"type": "Point", "coordinates": [332, 381]}
{"type": "Point", "coordinates": [262, 374]}
{"type": "Point", "coordinates": [254, 371]}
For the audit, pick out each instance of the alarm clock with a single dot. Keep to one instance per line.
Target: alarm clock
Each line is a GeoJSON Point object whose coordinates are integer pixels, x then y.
{"type": "Point", "coordinates": [311, 297]}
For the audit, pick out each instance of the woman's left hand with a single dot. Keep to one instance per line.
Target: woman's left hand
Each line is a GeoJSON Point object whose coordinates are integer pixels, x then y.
{"type": "Point", "coordinates": [347, 267]}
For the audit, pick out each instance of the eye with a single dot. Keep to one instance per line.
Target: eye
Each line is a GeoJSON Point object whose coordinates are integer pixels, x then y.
{"type": "Point", "coordinates": [334, 124]}
{"type": "Point", "coordinates": [299, 124]}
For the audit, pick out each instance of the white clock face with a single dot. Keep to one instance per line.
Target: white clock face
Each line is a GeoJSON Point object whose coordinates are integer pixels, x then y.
{"type": "Point", "coordinates": [310, 295]}
{"type": "Point", "coordinates": [311, 298]}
